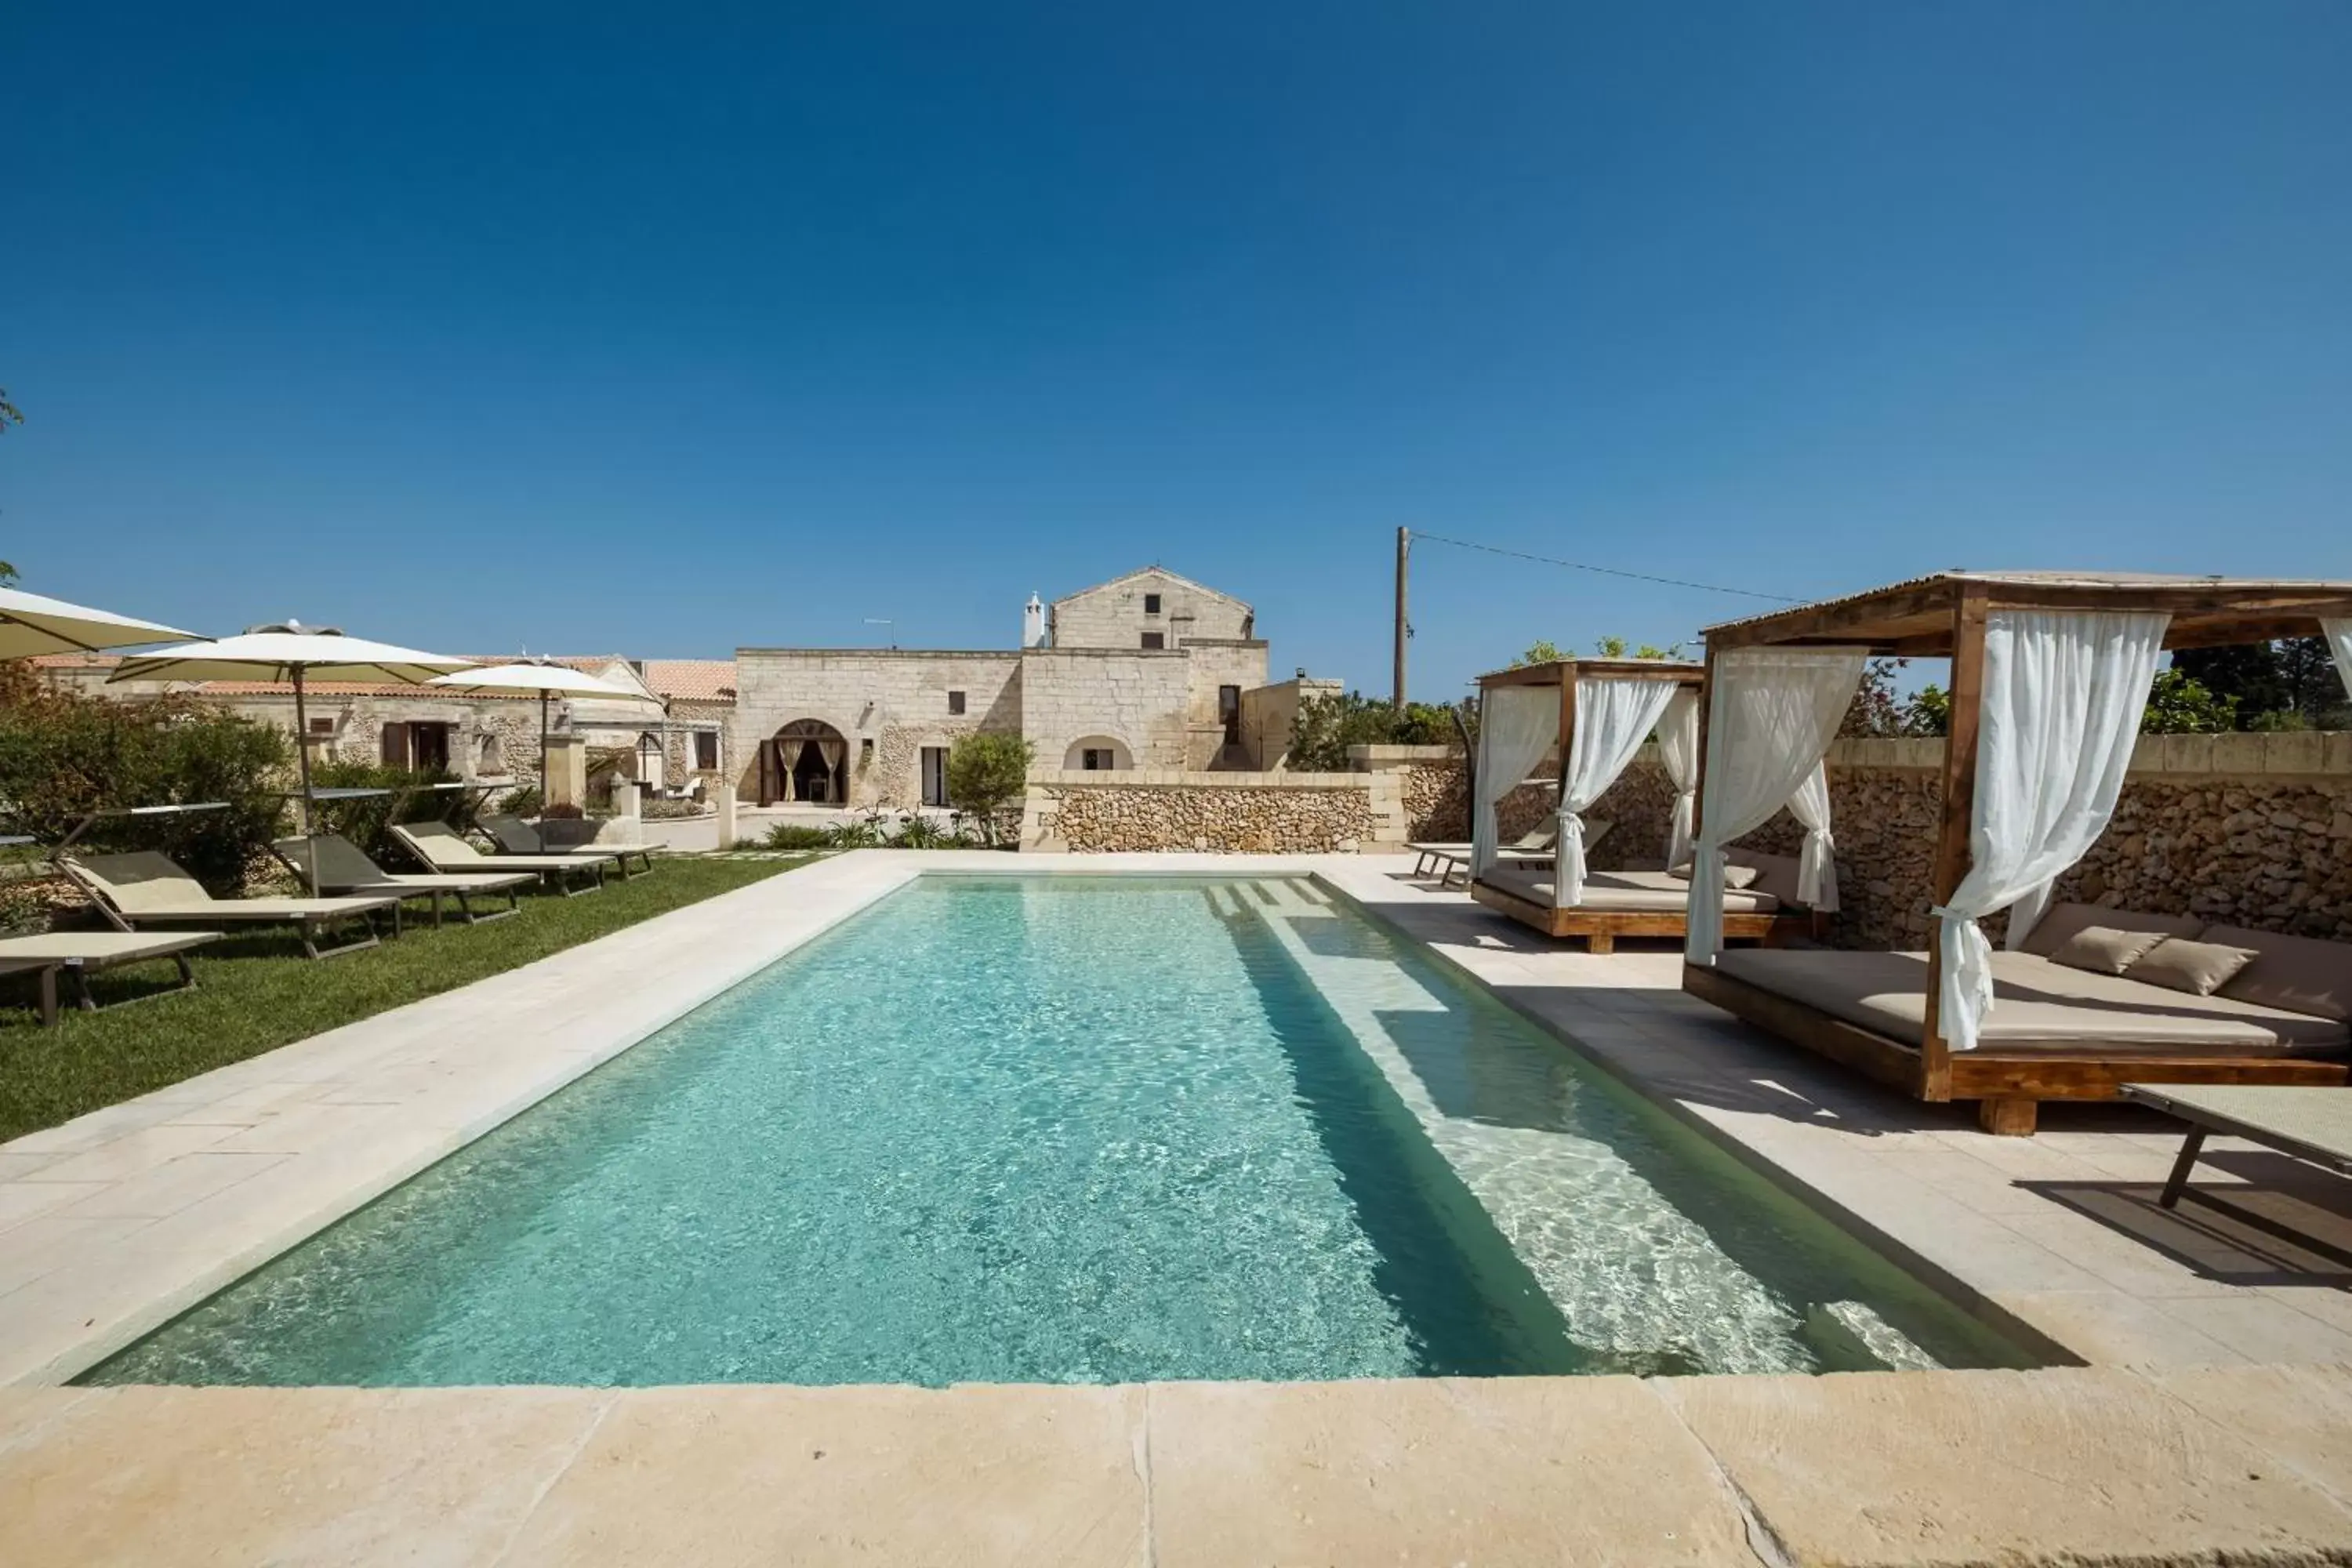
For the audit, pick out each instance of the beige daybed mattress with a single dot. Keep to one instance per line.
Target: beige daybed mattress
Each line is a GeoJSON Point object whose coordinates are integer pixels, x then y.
{"type": "Point", "coordinates": [2057, 1007]}
{"type": "Point", "coordinates": [1626, 892]}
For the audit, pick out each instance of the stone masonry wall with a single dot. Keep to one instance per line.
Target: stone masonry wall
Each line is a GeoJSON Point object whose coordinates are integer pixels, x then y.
{"type": "Point", "coordinates": [1229, 813]}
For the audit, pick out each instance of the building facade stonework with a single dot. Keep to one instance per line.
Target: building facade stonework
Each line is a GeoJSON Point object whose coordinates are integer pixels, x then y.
{"type": "Point", "coordinates": [1148, 671]}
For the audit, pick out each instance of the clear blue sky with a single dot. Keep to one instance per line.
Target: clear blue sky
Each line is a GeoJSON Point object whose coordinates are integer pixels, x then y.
{"type": "Point", "coordinates": [737, 330]}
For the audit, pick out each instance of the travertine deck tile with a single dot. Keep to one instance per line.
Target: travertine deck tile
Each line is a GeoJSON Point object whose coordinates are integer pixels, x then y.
{"type": "Point", "coordinates": [2299, 1414]}
{"type": "Point", "coordinates": [265, 1476]}
{"type": "Point", "coordinates": [2087, 1464]}
{"type": "Point", "coordinates": [960, 1478]}
{"type": "Point", "coordinates": [1484, 1471]}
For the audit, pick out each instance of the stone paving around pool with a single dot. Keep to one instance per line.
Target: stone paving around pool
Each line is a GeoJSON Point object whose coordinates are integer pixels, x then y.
{"type": "Point", "coordinates": [2074, 1465]}
{"type": "Point", "coordinates": [2206, 1430]}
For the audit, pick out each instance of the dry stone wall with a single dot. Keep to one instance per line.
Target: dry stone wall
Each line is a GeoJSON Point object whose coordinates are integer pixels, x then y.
{"type": "Point", "coordinates": [2253, 830]}
{"type": "Point", "coordinates": [1219, 812]}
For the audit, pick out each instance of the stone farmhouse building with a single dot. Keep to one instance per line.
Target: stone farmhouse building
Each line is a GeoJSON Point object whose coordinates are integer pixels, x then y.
{"type": "Point", "coordinates": [1149, 670]}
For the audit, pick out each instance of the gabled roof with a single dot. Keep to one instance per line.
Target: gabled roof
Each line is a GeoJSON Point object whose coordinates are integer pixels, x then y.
{"type": "Point", "coordinates": [1155, 571]}
{"type": "Point", "coordinates": [694, 679]}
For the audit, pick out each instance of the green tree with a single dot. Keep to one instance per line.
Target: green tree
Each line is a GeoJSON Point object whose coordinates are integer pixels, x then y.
{"type": "Point", "coordinates": [8, 415]}
{"type": "Point", "coordinates": [2178, 704]}
{"type": "Point", "coordinates": [985, 772]}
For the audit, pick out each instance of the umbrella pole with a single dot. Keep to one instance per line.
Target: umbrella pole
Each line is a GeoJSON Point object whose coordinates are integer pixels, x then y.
{"type": "Point", "coordinates": [302, 803]}
{"type": "Point", "coordinates": [544, 798]}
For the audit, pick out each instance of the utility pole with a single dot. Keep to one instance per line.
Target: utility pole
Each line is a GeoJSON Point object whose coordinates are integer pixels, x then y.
{"type": "Point", "coordinates": [1404, 553]}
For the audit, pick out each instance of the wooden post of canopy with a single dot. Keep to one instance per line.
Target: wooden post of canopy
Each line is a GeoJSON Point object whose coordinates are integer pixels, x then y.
{"type": "Point", "coordinates": [1956, 813]}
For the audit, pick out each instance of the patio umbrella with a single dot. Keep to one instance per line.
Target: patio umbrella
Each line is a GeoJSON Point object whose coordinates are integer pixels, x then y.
{"type": "Point", "coordinates": [290, 653]}
{"type": "Point", "coordinates": [30, 624]}
{"type": "Point", "coordinates": [547, 678]}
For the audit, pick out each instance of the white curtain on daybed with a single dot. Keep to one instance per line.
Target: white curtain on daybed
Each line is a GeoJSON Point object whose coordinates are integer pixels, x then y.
{"type": "Point", "coordinates": [1817, 862]}
{"type": "Point", "coordinates": [1614, 717]}
{"type": "Point", "coordinates": [1770, 716]}
{"type": "Point", "coordinates": [1517, 725]}
{"type": "Point", "coordinates": [1678, 749]}
{"type": "Point", "coordinates": [2064, 692]}
{"type": "Point", "coordinates": [2339, 638]}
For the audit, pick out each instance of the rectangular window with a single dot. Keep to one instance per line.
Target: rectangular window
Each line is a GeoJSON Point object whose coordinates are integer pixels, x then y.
{"type": "Point", "coordinates": [955, 701]}
{"type": "Point", "coordinates": [1229, 709]}
{"type": "Point", "coordinates": [322, 726]}
{"type": "Point", "coordinates": [1154, 640]}
{"type": "Point", "coordinates": [395, 745]}
{"type": "Point", "coordinates": [1151, 604]}
{"type": "Point", "coordinates": [706, 750]}
{"type": "Point", "coordinates": [1095, 761]}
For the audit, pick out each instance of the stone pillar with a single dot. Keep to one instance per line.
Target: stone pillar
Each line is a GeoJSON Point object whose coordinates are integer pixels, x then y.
{"type": "Point", "coordinates": [627, 800]}
{"type": "Point", "coordinates": [567, 771]}
{"type": "Point", "coordinates": [723, 797]}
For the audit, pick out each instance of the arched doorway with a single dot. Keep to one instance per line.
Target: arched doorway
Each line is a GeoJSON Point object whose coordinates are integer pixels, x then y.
{"type": "Point", "coordinates": [807, 761]}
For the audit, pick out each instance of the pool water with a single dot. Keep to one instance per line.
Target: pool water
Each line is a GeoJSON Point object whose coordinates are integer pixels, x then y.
{"type": "Point", "coordinates": [1076, 1130]}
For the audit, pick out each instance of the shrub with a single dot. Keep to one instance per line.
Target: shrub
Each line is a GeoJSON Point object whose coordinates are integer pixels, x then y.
{"type": "Point", "coordinates": [562, 811]}
{"type": "Point", "coordinates": [798, 835]}
{"type": "Point", "coordinates": [525, 801]}
{"type": "Point", "coordinates": [63, 755]}
{"type": "Point", "coordinates": [2178, 704]}
{"type": "Point", "coordinates": [985, 771]}
{"type": "Point", "coordinates": [1327, 726]}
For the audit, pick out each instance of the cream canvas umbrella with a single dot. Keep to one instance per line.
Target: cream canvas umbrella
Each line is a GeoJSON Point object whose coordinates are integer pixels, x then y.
{"type": "Point", "coordinates": [30, 624]}
{"type": "Point", "coordinates": [547, 678]}
{"type": "Point", "coordinates": [290, 653]}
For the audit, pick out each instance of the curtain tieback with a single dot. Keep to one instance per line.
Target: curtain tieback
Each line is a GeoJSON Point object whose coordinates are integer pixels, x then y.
{"type": "Point", "coordinates": [1945, 912]}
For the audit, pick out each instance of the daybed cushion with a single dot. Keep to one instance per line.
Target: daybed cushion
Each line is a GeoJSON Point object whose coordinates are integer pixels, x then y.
{"type": "Point", "coordinates": [2300, 973]}
{"type": "Point", "coordinates": [1776, 875]}
{"type": "Point", "coordinates": [2104, 950]}
{"type": "Point", "coordinates": [2039, 1006]}
{"type": "Point", "coordinates": [1626, 892]}
{"type": "Point", "coordinates": [1733, 876]}
{"type": "Point", "coordinates": [2199, 968]}
{"type": "Point", "coordinates": [2064, 920]}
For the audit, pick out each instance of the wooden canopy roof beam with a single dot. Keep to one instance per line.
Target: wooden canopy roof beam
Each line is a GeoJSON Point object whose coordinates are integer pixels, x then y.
{"type": "Point", "coordinates": [1559, 671]}
{"type": "Point", "coordinates": [1916, 618]}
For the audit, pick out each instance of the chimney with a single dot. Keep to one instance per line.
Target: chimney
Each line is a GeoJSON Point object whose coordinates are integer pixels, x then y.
{"type": "Point", "coordinates": [1033, 623]}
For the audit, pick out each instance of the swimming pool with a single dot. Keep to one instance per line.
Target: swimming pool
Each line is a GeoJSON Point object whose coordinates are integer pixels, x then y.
{"type": "Point", "coordinates": [1076, 1129]}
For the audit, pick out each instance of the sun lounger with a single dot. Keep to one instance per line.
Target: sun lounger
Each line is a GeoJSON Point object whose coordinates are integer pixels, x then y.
{"type": "Point", "coordinates": [145, 889]}
{"type": "Point", "coordinates": [1530, 851]}
{"type": "Point", "coordinates": [345, 868]}
{"type": "Point", "coordinates": [2313, 1124]}
{"type": "Point", "coordinates": [443, 848]}
{"type": "Point", "coordinates": [81, 953]}
{"type": "Point", "coordinates": [516, 836]}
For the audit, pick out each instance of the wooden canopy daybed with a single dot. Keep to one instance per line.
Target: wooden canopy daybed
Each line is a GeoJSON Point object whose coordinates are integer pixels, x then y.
{"type": "Point", "coordinates": [2050, 1032]}
{"type": "Point", "coordinates": [1610, 904]}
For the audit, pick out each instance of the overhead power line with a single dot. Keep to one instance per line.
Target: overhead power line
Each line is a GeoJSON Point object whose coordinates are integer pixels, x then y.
{"type": "Point", "coordinates": [1604, 571]}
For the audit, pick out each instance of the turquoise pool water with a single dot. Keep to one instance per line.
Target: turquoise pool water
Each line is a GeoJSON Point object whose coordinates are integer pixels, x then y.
{"type": "Point", "coordinates": [1076, 1130]}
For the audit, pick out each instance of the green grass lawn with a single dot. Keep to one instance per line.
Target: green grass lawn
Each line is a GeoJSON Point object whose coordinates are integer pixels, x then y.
{"type": "Point", "coordinates": [255, 991]}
